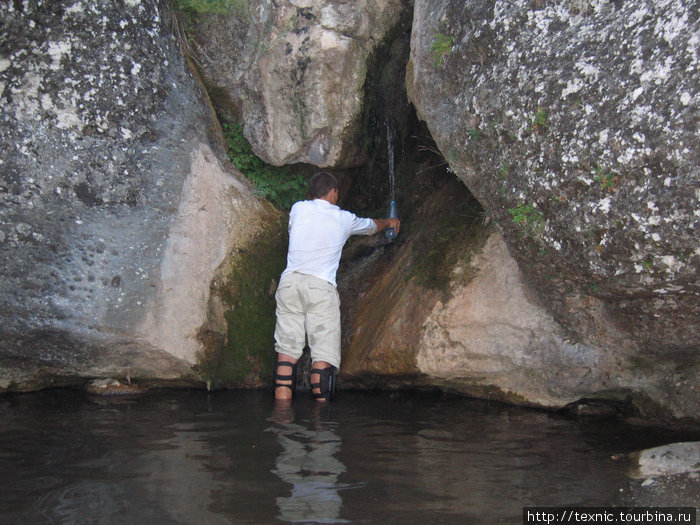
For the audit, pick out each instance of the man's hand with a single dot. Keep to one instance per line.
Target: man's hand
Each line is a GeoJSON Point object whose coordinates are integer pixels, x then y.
{"type": "Point", "coordinates": [383, 224]}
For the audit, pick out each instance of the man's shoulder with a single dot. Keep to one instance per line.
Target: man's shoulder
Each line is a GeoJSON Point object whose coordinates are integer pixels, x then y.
{"type": "Point", "coordinates": [314, 205]}
{"type": "Point", "coordinates": [300, 205]}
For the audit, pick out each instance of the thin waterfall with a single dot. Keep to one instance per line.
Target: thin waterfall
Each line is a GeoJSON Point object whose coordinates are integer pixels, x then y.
{"type": "Point", "coordinates": [390, 140]}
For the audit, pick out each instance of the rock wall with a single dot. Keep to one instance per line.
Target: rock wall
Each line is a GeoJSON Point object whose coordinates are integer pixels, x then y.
{"type": "Point", "coordinates": [117, 203]}
{"type": "Point", "coordinates": [575, 125]}
{"type": "Point", "coordinates": [295, 71]}
{"type": "Point", "coordinates": [447, 305]}
{"type": "Point", "coordinates": [493, 336]}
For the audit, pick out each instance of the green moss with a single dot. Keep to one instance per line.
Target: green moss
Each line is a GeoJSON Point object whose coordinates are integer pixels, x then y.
{"type": "Point", "coordinates": [211, 7]}
{"type": "Point", "coordinates": [245, 355]}
{"type": "Point", "coordinates": [441, 47]}
{"type": "Point", "coordinates": [608, 180]}
{"type": "Point", "coordinates": [540, 123]}
{"type": "Point", "coordinates": [274, 183]}
{"type": "Point", "coordinates": [453, 239]}
{"type": "Point", "coordinates": [529, 218]}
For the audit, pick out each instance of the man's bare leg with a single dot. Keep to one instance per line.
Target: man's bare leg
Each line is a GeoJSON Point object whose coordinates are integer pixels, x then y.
{"type": "Point", "coordinates": [284, 387]}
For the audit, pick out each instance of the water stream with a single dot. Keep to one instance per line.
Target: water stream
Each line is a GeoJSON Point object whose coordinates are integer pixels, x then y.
{"type": "Point", "coordinates": [391, 161]}
{"type": "Point", "coordinates": [233, 457]}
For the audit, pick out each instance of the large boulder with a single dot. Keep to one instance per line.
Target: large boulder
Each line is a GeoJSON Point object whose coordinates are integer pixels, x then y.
{"type": "Point", "coordinates": [575, 125]}
{"type": "Point", "coordinates": [447, 305]}
{"type": "Point", "coordinates": [295, 72]}
{"type": "Point", "coordinates": [493, 337]}
{"type": "Point", "coordinates": [118, 204]}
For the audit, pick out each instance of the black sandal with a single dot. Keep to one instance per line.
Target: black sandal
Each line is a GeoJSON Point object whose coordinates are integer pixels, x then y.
{"type": "Point", "coordinates": [292, 378]}
{"type": "Point", "coordinates": [326, 383]}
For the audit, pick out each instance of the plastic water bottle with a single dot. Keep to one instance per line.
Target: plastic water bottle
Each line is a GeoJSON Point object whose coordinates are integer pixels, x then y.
{"type": "Point", "coordinates": [393, 213]}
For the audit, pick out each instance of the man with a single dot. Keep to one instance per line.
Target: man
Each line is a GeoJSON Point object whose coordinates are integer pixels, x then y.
{"type": "Point", "coordinates": [307, 299]}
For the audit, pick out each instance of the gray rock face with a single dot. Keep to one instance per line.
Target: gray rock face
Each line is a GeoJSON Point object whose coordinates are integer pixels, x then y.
{"type": "Point", "coordinates": [575, 124]}
{"type": "Point", "coordinates": [493, 332]}
{"type": "Point", "coordinates": [667, 460]}
{"type": "Point", "coordinates": [296, 71]}
{"type": "Point", "coordinates": [668, 476]}
{"type": "Point", "coordinates": [115, 210]}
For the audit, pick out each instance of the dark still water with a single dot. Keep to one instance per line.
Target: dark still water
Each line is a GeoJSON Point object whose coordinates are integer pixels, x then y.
{"type": "Point", "coordinates": [230, 457]}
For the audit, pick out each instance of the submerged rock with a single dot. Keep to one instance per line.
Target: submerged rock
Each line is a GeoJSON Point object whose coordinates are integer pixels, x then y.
{"type": "Point", "coordinates": [113, 387]}
{"type": "Point", "coordinates": [117, 202]}
{"type": "Point", "coordinates": [665, 476]}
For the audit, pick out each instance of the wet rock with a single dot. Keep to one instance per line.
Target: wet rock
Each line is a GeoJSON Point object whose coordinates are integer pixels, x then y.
{"type": "Point", "coordinates": [680, 490]}
{"type": "Point", "coordinates": [574, 124]}
{"type": "Point", "coordinates": [447, 305]}
{"type": "Point", "coordinates": [113, 387]}
{"type": "Point", "coordinates": [667, 460]}
{"type": "Point", "coordinates": [665, 476]}
{"type": "Point", "coordinates": [295, 72]}
{"type": "Point", "coordinates": [388, 290]}
{"type": "Point", "coordinates": [598, 408]}
{"type": "Point", "coordinates": [117, 202]}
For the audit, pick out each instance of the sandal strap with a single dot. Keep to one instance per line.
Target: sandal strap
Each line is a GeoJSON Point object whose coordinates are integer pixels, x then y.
{"type": "Point", "coordinates": [317, 385]}
{"type": "Point", "coordinates": [285, 377]}
{"type": "Point", "coordinates": [319, 394]}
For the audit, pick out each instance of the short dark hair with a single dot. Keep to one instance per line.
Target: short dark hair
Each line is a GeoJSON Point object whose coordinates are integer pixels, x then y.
{"type": "Point", "coordinates": [321, 183]}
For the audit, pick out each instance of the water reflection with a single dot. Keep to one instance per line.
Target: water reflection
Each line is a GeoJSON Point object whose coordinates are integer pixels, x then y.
{"type": "Point", "coordinates": [187, 457]}
{"type": "Point", "coordinates": [112, 478]}
{"type": "Point", "coordinates": [308, 461]}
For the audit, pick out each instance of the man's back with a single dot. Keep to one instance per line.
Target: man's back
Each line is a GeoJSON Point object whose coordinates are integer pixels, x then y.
{"type": "Point", "coordinates": [318, 231]}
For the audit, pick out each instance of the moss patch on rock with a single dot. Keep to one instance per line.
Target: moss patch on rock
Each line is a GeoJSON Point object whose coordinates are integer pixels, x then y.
{"type": "Point", "coordinates": [451, 239]}
{"type": "Point", "coordinates": [240, 352]}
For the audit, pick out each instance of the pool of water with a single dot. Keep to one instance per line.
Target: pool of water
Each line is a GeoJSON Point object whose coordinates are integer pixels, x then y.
{"type": "Point", "coordinates": [234, 457]}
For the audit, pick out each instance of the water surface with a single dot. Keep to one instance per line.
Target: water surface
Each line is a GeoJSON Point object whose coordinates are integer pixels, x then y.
{"type": "Point", "coordinates": [233, 457]}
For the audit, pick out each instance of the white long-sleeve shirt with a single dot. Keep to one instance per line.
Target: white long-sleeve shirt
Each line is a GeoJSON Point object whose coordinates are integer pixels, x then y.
{"type": "Point", "coordinates": [318, 231]}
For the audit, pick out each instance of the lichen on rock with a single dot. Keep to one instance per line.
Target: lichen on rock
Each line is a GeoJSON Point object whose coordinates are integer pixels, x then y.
{"type": "Point", "coordinates": [118, 202]}
{"type": "Point", "coordinates": [575, 126]}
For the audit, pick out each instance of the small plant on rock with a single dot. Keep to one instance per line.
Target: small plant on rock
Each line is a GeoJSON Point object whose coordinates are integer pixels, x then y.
{"type": "Point", "coordinates": [528, 217]}
{"type": "Point", "coordinates": [441, 47]}
{"type": "Point", "coordinates": [608, 181]}
{"type": "Point", "coordinates": [539, 124]}
{"type": "Point", "coordinates": [210, 7]}
{"type": "Point", "coordinates": [274, 183]}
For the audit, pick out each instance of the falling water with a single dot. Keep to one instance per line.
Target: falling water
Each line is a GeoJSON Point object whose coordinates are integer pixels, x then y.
{"type": "Point", "coordinates": [390, 139]}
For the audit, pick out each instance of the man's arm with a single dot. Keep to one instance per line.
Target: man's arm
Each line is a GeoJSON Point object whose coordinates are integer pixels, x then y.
{"type": "Point", "coordinates": [383, 224]}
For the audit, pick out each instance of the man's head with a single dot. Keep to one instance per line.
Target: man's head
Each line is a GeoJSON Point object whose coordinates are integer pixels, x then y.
{"type": "Point", "coordinates": [321, 184]}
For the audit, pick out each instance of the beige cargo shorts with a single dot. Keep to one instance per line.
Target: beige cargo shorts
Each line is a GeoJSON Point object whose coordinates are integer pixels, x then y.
{"type": "Point", "coordinates": [308, 306]}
